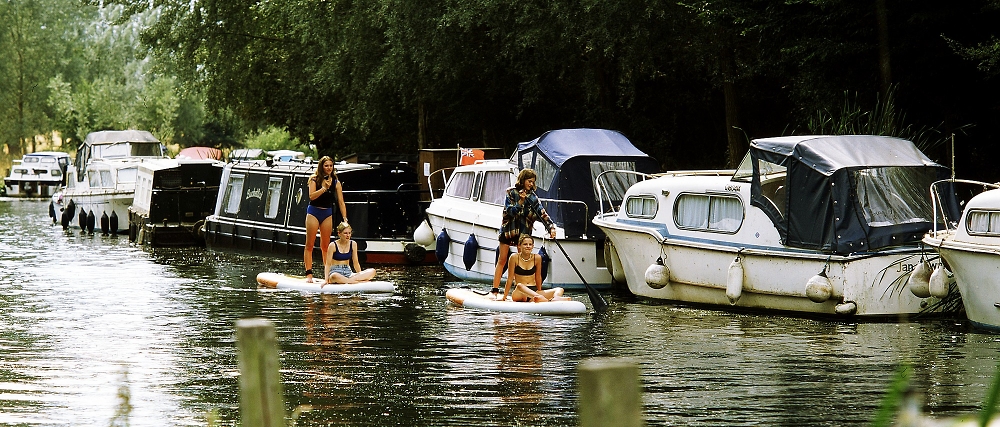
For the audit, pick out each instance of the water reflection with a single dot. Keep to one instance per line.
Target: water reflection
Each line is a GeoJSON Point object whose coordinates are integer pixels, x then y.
{"type": "Point", "coordinates": [77, 311]}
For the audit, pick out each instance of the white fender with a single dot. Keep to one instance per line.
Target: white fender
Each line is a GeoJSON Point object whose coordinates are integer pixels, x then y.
{"type": "Point", "coordinates": [938, 283]}
{"type": "Point", "coordinates": [919, 280]}
{"type": "Point", "coordinates": [846, 308]}
{"type": "Point", "coordinates": [423, 235]}
{"type": "Point", "coordinates": [657, 275]}
{"type": "Point", "coordinates": [819, 288]}
{"type": "Point", "coordinates": [734, 281]}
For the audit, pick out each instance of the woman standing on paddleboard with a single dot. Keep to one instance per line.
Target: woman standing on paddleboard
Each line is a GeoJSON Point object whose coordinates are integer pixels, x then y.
{"type": "Point", "coordinates": [525, 272]}
{"type": "Point", "coordinates": [324, 192]}
{"type": "Point", "coordinates": [343, 253]}
{"type": "Point", "coordinates": [520, 211]}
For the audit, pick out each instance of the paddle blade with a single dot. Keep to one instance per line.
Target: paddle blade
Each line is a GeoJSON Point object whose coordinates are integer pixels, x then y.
{"type": "Point", "coordinates": [596, 299]}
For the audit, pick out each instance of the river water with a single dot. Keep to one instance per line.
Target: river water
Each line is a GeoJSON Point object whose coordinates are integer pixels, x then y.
{"type": "Point", "coordinates": [88, 319]}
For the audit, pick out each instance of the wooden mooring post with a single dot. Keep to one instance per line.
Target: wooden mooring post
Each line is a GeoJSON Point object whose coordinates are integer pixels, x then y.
{"type": "Point", "coordinates": [262, 402]}
{"type": "Point", "coordinates": [610, 394]}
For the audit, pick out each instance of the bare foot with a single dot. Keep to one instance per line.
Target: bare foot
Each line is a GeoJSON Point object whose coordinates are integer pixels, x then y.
{"type": "Point", "coordinates": [539, 298]}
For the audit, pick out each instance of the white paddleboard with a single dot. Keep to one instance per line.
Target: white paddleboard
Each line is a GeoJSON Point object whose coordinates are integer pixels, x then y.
{"type": "Point", "coordinates": [468, 298]}
{"type": "Point", "coordinates": [281, 281]}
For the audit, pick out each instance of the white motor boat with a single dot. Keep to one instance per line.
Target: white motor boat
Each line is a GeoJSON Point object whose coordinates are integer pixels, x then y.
{"type": "Point", "coordinates": [100, 186]}
{"type": "Point", "coordinates": [825, 225]}
{"type": "Point", "coordinates": [39, 174]}
{"type": "Point", "coordinates": [465, 215]}
{"type": "Point", "coordinates": [970, 248]}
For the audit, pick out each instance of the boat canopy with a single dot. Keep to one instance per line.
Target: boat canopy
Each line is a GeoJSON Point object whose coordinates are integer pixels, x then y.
{"type": "Point", "coordinates": [842, 194]}
{"type": "Point", "coordinates": [567, 161]}
{"type": "Point", "coordinates": [117, 144]}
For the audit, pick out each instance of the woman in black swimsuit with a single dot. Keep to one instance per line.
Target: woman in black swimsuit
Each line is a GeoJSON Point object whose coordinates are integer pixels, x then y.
{"type": "Point", "coordinates": [525, 271]}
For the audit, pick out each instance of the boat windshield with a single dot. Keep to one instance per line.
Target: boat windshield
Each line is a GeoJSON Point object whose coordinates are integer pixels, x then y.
{"type": "Point", "coordinates": [615, 184]}
{"type": "Point", "coordinates": [127, 149]}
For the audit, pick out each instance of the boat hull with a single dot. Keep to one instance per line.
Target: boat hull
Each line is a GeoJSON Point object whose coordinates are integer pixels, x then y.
{"type": "Point", "coordinates": [977, 274]}
{"type": "Point", "coordinates": [100, 202]}
{"type": "Point", "coordinates": [31, 189]}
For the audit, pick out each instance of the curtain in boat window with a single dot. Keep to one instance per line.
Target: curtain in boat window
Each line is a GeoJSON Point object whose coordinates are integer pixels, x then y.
{"type": "Point", "coordinates": [894, 195]}
{"type": "Point", "coordinates": [106, 180]}
{"type": "Point", "coordinates": [128, 174]}
{"type": "Point", "coordinates": [546, 172]}
{"type": "Point", "coordinates": [234, 193]}
{"type": "Point", "coordinates": [461, 185]}
{"type": "Point", "coordinates": [725, 214]}
{"type": "Point", "coordinates": [495, 187]}
{"type": "Point", "coordinates": [614, 183]}
{"type": "Point", "coordinates": [273, 197]}
{"type": "Point", "coordinates": [691, 211]}
{"type": "Point", "coordinates": [708, 212]}
{"type": "Point", "coordinates": [641, 207]}
{"type": "Point", "coordinates": [984, 222]}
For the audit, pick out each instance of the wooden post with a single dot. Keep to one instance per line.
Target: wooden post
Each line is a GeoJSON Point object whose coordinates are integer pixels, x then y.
{"type": "Point", "coordinates": [610, 394]}
{"type": "Point", "coordinates": [261, 400]}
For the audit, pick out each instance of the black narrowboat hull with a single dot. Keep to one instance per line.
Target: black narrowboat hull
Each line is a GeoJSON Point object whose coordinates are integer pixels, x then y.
{"type": "Point", "coordinates": [172, 202]}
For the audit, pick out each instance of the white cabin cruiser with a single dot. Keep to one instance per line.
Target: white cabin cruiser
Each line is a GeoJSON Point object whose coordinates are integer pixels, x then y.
{"type": "Point", "coordinates": [39, 174]}
{"type": "Point", "coordinates": [100, 186]}
{"type": "Point", "coordinates": [824, 225]}
{"type": "Point", "coordinates": [969, 247]}
{"type": "Point", "coordinates": [465, 219]}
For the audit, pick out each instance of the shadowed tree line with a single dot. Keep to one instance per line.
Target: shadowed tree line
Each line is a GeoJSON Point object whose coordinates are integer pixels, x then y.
{"type": "Point", "coordinates": [688, 82]}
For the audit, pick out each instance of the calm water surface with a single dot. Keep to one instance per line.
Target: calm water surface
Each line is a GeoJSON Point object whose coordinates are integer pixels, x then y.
{"type": "Point", "coordinates": [84, 318]}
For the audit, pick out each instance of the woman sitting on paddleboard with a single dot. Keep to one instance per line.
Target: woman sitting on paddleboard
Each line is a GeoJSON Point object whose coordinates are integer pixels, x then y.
{"type": "Point", "coordinates": [342, 253]}
{"type": "Point", "coordinates": [525, 271]}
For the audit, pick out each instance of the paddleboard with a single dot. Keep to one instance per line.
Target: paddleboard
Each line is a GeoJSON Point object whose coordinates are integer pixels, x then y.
{"type": "Point", "coordinates": [468, 298]}
{"type": "Point", "coordinates": [281, 281]}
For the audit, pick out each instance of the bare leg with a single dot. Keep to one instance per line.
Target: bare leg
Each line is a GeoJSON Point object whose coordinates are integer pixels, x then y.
{"type": "Point", "coordinates": [529, 294]}
{"type": "Point", "coordinates": [325, 229]}
{"type": "Point", "coordinates": [312, 224]}
{"type": "Point", "coordinates": [501, 260]}
{"type": "Point", "coordinates": [554, 294]}
{"type": "Point", "coordinates": [364, 276]}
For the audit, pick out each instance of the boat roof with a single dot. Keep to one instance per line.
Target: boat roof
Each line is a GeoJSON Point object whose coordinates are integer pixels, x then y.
{"type": "Point", "coordinates": [200, 153]}
{"type": "Point", "coordinates": [47, 154]}
{"type": "Point", "coordinates": [563, 144]}
{"type": "Point", "coordinates": [117, 136]}
{"type": "Point", "coordinates": [828, 153]}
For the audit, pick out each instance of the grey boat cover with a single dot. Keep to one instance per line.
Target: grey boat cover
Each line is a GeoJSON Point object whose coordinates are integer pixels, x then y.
{"type": "Point", "coordinates": [845, 194]}
{"type": "Point", "coordinates": [567, 161]}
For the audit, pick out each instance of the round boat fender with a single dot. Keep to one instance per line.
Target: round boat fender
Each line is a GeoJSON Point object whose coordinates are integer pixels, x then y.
{"type": "Point", "coordinates": [819, 288]}
{"type": "Point", "coordinates": [91, 222]}
{"type": "Point", "coordinates": [938, 283]}
{"type": "Point", "coordinates": [846, 308]}
{"type": "Point", "coordinates": [657, 275]}
{"type": "Point", "coordinates": [71, 207]}
{"type": "Point", "coordinates": [414, 253]}
{"type": "Point", "coordinates": [471, 252]}
{"type": "Point", "coordinates": [67, 216]}
{"type": "Point", "coordinates": [734, 281]}
{"type": "Point", "coordinates": [83, 219]}
{"type": "Point", "coordinates": [441, 248]}
{"type": "Point", "coordinates": [546, 260]}
{"type": "Point", "coordinates": [424, 235]}
{"type": "Point", "coordinates": [105, 223]}
{"type": "Point", "coordinates": [52, 211]}
{"type": "Point", "coordinates": [919, 280]}
{"type": "Point", "coordinates": [113, 223]}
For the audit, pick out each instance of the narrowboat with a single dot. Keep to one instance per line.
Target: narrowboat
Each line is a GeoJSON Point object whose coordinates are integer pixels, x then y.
{"type": "Point", "coordinates": [172, 199]}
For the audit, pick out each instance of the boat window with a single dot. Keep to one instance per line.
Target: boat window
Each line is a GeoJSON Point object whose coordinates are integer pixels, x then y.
{"type": "Point", "coordinates": [273, 197]}
{"type": "Point", "coordinates": [56, 172]}
{"type": "Point", "coordinates": [546, 172]}
{"type": "Point", "coordinates": [983, 223]}
{"type": "Point", "coordinates": [460, 185]}
{"type": "Point", "coordinates": [95, 179]}
{"type": "Point", "coordinates": [234, 193]}
{"type": "Point", "coordinates": [745, 170]}
{"type": "Point", "coordinates": [894, 195]}
{"type": "Point", "coordinates": [127, 175]}
{"type": "Point", "coordinates": [709, 212]}
{"type": "Point", "coordinates": [641, 207]}
{"type": "Point", "coordinates": [495, 185]}
{"type": "Point", "coordinates": [527, 159]}
{"type": "Point", "coordinates": [614, 183]}
{"type": "Point", "coordinates": [30, 159]}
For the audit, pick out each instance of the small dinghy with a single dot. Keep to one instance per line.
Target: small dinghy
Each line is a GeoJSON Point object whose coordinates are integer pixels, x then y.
{"type": "Point", "coordinates": [470, 299]}
{"type": "Point", "coordinates": [282, 281]}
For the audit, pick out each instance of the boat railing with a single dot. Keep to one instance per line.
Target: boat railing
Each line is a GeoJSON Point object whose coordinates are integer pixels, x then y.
{"type": "Point", "coordinates": [612, 184]}
{"type": "Point", "coordinates": [574, 215]}
{"type": "Point", "coordinates": [949, 206]}
{"type": "Point", "coordinates": [398, 209]}
{"type": "Point", "coordinates": [439, 176]}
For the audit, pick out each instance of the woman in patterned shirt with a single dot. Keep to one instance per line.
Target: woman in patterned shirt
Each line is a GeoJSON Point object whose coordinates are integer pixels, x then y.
{"type": "Point", "coordinates": [520, 211]}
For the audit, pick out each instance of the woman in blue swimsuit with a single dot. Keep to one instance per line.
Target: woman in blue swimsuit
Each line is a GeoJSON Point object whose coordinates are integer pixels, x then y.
{"type": "Point", "coordinates": [343, 253]}
{"type": "Point", "coordinates": [324, 192]}
{"type": "Point", "coordinates": [525, 271]}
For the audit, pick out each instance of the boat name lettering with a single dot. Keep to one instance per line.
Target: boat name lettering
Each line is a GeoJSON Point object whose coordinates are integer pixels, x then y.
{"type": "Point", "coordinates": [907, 268]}
{"type": "Point", "coordinates": [735, 188]}
{"type": "Point", "coordinates": [256, 193]}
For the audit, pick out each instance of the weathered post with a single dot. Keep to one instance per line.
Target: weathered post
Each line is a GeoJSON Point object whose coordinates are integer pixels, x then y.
{"type": "Point", "coordinates": [261, 399]}
{"type": "Point", "coordinates": [610, 394]}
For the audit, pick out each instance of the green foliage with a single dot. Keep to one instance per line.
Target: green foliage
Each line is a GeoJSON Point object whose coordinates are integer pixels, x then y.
{"type": "Point", "coordinates": [894, 397]}
{"type": "Point", "coordinates": [276, 139]}
{"type": "Point", "coordinates": [124, 409]}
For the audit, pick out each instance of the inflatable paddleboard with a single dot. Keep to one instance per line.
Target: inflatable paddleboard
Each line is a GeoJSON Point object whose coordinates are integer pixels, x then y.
{"type": "Point", "coordinates": [281, 281]}
{"type": "Point", "coordinates": [468, 298]}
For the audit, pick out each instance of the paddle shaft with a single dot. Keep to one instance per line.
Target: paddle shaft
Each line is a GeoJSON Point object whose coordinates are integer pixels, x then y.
{"type": "Point", "coordinates": [595, 298]}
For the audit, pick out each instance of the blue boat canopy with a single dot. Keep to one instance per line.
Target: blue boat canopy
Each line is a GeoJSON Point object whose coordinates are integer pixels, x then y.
{"type": "Point", "coordinates": [842, 194]}
{"type": "Point", "coordinates": [567, 161]}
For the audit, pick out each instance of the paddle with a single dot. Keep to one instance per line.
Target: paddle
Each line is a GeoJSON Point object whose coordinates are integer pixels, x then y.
{"type": "Point", "coordinates": [595, 298]}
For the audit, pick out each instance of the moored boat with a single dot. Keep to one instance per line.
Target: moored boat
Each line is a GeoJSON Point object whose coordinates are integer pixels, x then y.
{"type": "Point", "coordinates": [261, 208]}
{"type": "Point", "coordinates": [172, 199]}
{"type": "Point", "coordinates": [39, 174]}
{"type": "Point", "coordinates": [100, 186]}
{"type": "Point", "coordinates": [465, 216]}
{"type": "Point", "coordinates": [970, 248]}
{"type": "Point", "coordinates": [823, 225]}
